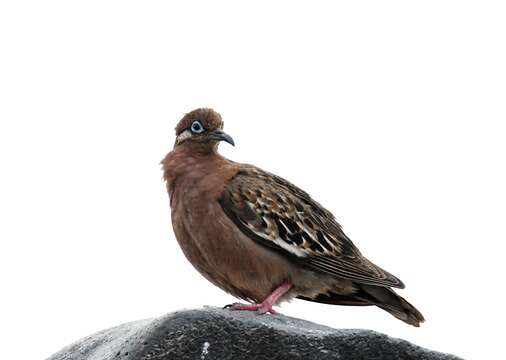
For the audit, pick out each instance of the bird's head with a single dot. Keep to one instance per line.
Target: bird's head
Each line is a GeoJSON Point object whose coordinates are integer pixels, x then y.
{"type": "Point", "coordinates": [201, 129]}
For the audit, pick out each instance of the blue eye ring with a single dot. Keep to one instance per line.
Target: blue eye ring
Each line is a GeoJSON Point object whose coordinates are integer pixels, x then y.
{"type": "Point", "coordinates": [197, 127]}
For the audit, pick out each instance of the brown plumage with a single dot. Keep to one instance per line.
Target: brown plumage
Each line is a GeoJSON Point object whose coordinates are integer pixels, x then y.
{"type": "Point", "coordinates": [261, 238]}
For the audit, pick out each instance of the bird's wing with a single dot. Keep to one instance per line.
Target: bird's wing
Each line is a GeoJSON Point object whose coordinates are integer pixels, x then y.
{"type": "Point", "coordinates": [277, 214]}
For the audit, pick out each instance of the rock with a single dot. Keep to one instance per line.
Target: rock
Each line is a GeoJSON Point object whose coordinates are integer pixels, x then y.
{"type": "Point", "coordinates": [211, 333]}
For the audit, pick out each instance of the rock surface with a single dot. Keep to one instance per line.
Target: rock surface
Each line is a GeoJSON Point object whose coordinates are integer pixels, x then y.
{"type": "Point", "coordinates": [211, 333]}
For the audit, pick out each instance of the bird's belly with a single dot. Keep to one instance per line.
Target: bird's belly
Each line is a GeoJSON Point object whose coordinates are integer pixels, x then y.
{"type": "Point", "coordinates": [225, 256]}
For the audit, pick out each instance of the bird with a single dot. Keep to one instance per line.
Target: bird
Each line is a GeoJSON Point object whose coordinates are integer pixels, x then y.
{"type": "Point", "coordinates": [261, 238]}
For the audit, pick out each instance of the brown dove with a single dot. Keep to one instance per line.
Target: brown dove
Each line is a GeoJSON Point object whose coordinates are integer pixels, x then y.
{"type": "Point", "coordinates": [261, 238]}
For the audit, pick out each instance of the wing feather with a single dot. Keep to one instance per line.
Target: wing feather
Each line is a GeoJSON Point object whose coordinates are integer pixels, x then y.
{"type": "Point", "coordinates": [281, 216]}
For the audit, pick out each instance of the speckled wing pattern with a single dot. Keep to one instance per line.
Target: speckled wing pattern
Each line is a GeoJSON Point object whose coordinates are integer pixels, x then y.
{"type": "Point", "coordinates": [279, 215]}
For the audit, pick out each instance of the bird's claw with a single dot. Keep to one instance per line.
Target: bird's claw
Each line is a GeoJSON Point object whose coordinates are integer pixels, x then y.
{"type": "Point", "coordinates": [266, 305]}
{"type": "Point", "coordinates": [260, 308]}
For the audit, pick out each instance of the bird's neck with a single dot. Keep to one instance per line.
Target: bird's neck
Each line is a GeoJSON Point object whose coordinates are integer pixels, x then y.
{"type": "Point", "coordinates": [184, 162]}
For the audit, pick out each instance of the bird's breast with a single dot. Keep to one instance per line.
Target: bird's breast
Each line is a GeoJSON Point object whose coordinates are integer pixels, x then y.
{"type": "Point", "coordinates": [215, 246]}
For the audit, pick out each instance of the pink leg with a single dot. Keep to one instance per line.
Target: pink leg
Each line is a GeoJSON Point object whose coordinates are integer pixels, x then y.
{"type": "Point", "coordinates": [266, 305]}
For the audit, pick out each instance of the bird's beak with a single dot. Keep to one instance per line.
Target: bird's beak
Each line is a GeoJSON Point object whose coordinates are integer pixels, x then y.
{"type": "Point", "coordinates": [220, 135]}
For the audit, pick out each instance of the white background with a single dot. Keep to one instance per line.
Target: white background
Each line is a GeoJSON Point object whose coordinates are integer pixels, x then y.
{"type": "Point", "coordinates": [392, 114]}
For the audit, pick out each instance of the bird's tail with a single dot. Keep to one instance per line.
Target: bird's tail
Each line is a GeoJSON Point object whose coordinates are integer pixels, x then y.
{"type": "Point", "coordinates": [386, 299]}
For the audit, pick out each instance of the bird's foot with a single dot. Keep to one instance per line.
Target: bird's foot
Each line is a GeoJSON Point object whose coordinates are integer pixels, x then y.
{"type": "Point", "coordinates": [266, 305]}
{"type": "Point", "coordinates": [262, 308]}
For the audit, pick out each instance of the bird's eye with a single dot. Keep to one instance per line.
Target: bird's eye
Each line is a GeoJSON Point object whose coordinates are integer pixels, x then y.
{"type": "Point", "coordinates": [197, 127]}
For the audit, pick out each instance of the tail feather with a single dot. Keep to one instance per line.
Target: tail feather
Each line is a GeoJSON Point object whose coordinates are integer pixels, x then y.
{"type": "Point", "coordinates": [386, 299]}
{"type": "Point", "coordinates": [366, 295]}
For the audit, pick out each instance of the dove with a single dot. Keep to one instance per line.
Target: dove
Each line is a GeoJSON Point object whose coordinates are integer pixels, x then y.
{"type": "Point", "coordinates": [259, 237]}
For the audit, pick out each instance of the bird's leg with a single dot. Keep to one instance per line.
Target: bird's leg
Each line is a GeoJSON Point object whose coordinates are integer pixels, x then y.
{"type": "Point", "coordinates": [266, 305]}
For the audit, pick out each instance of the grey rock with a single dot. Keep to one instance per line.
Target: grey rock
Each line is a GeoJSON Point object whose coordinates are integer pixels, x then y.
{"type": "Point", "coordinates": [211, 333]}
